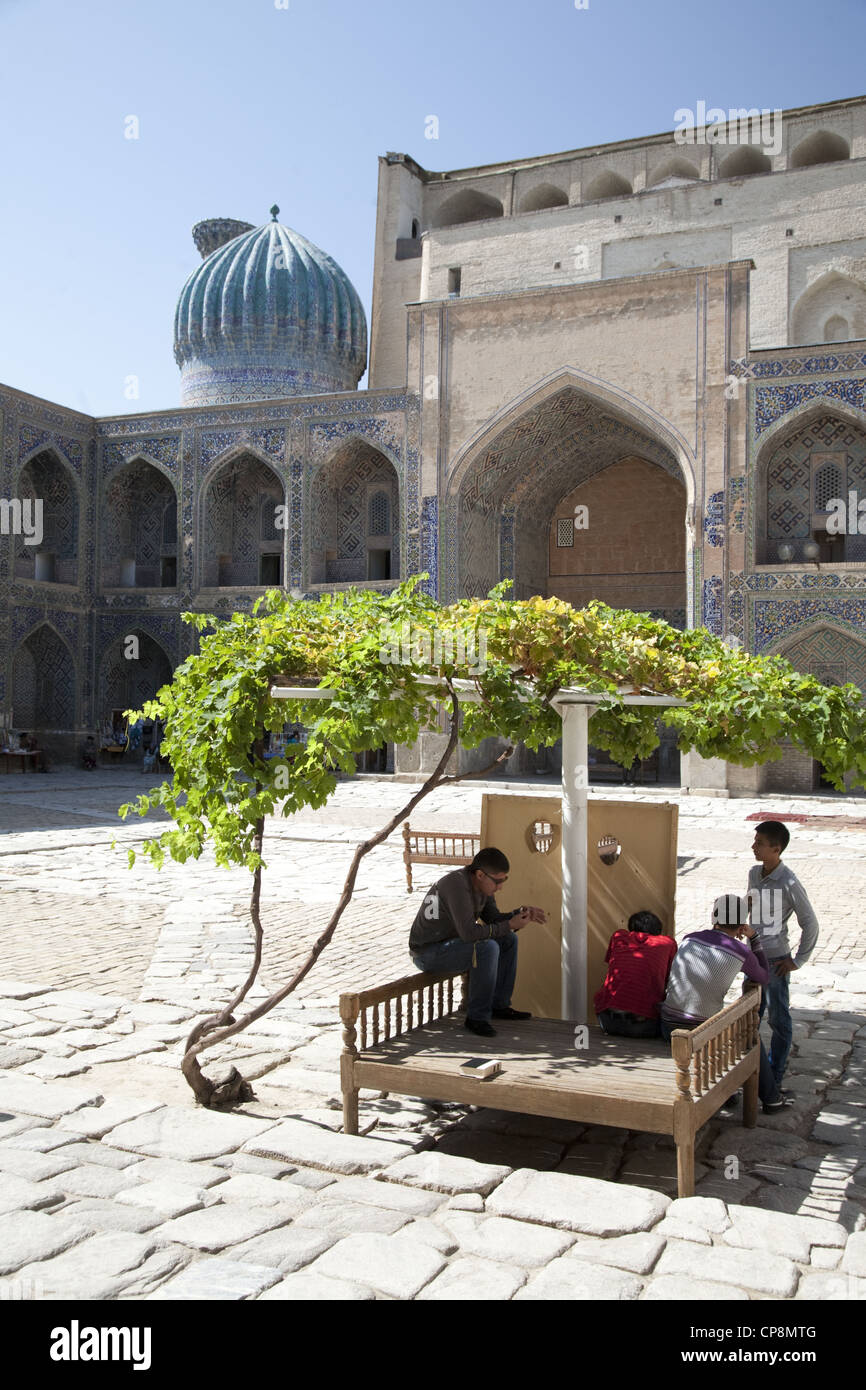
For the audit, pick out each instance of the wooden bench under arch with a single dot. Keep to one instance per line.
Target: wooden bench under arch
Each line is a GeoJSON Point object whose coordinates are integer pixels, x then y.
{"type": "Point", "coordinates": [407, 1037]}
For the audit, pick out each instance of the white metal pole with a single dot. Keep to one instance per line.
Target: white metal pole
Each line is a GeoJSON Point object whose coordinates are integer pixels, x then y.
{"type": "Point", "coordinates": [575, 720]}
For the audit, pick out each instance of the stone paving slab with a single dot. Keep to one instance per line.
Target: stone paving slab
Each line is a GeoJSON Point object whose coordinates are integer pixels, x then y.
{"type": "Point", "coordinates": [471, 1280]}
{"type": "Point", "coordinates": [103, 1266]}
{"type": "Point", "coordinates": [220, 1226]}
{"type": "Point", "coordinates": [30, 1236]}
{"type": "Point", "coordinates": [297, 1142]}
{"type": "Point", "coordinates": [577, 1204]}
{"type": "Point", "coordinates": [571, 1279]}
{"type": "Point", "coordinates": [753, 1270]}
{"type": "Point", "coordinates": [445, 1173]}
{"type": "Point", "coordinates": [317, 1288]}
{"type": "Point", "coordinates": [217, 1278]}
{"type": "Point", "coordinates": [393, 1265]}
{"type": "Point", "coordinates": [29, 1096]}
{"type": "Point", "coordinates": [178, 1132]}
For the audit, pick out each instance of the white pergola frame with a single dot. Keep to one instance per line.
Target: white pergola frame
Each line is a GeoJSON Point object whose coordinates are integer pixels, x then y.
{"type": "Point", "coordinates": [574, 706]}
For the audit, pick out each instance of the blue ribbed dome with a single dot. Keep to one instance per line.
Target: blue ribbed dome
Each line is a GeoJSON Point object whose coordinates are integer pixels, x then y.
{"type": "Point", "coordinates": [267, 314]}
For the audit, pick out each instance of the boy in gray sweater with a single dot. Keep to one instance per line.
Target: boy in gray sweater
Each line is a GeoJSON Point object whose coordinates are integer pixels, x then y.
{"type": "Point", "coordinates": [775, 895]}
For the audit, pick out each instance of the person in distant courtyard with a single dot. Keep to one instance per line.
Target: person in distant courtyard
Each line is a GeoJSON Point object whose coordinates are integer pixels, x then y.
{"type": "Point", "coordinates": [705, 967]}
{"type": "Point", "coordinates": [29, 744]}
{"type": "Point", "coordinates": [774, 894]}
{"type": "Point", "coordinates": [638, 961]}
{"type": "Point", "coordinates": [459, 927]}
{"type": "Point", "coordinates": [89, 753]}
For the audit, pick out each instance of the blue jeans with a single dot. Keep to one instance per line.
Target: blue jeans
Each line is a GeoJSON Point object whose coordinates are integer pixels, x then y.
{"type": "Point", "coordinates": [768, 1086]}
{"type": "Point", "coordinates": [491, 979]}
{"type": "Point", "coordinates": [774, 999]}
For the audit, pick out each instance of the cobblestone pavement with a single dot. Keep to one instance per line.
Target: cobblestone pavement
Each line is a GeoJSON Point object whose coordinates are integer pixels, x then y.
{"type": "Point", "coordinates": [115, 1186]}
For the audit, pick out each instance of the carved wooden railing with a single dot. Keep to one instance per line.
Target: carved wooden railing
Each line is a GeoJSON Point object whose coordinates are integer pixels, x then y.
{"type": "Point", "coordinates": [376, 1015]}
{"type": "Point", "coordinates": [707, 1053]}
{"type": "Point", "coordinates": [437, 847]}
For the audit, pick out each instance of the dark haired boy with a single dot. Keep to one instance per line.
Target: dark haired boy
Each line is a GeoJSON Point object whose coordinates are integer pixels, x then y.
{"type": "Point", "coordinates": [459, 927]}
{"type": "Point", "coordinates": [775, 893]}
{"type": "Point", "coordinates": [638, 961]}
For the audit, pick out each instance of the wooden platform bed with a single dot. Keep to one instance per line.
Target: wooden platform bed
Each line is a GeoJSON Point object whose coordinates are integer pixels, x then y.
{"type": "Point", "coordinates": [408, 1037]}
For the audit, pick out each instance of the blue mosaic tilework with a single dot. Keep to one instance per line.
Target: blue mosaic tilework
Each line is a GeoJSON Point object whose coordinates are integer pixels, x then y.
{"type": "Point", "coordinates": [775, 619]}
{"type": "Point", "coordinates": [266, 441]}
{"type": "Point", "coordinates": [163, 629]}
{"type": "Point", "coordinates": [737, 503]}
{"type": "Point", "coordinates": [772, 402]}
{"type": "Point", "coordinates": [798, 366]}
{"type": "Point", "coordinates": [430, 543]}
{"type": "Point", "coordinates": [506, 543]}
{"type": "Point", "coordinates": [714, 519]}
{"type": "Point", "coordinates": [713, 605]}
{"type": "Point", "coordinates": [164, 449]}
{"type": "Point", "coordinates": [72, 450]}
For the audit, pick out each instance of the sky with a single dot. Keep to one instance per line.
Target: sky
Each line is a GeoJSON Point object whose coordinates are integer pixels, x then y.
{"type": "Point", "coordinates": [242, 103]}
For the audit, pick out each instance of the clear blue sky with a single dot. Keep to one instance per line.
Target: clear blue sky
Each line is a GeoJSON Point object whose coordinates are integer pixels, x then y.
{"type": "Point", "coordinates": [242, 104]}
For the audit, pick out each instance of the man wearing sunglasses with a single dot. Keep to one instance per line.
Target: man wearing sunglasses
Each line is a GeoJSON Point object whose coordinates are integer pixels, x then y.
{"type": "Point", "coordinates": [459, 927]}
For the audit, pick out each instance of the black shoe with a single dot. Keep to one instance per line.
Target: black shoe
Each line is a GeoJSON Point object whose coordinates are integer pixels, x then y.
{"type": "Point", "coordinates": [773, 1107]}
{"type": "Point", "coordinates": [480, 1026]}
{"type": "Point", "coordinates": [510, 1013]}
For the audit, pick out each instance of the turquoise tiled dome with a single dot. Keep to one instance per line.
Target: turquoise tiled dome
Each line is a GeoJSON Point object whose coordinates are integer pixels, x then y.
{"type": "Point", "coordinates": [266, 314]}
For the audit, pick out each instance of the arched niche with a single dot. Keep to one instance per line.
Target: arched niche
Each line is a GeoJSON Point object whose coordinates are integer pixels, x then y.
{"type": "Point", "coordinates": [544, 195]}
{"type": "Point", "coordinates": [242, 526]}
{"type": "Point", "coordinates": [355, 517]}
{"type": "Point", "coordinates": [606, 185]}
{"type": "Point", "coordinates": [43, 683]}
{"type": "Point", "coordinates": [672, 171]}
{"type": "Point", "coordinates": [798, 474]}
{"type": "Point", "coordinates": [132, 669]}
{"type": "Point", "coordinates": [834, 298]}
{"type": "Point", "coordinates": [46, 482]}
{"type": "Point", "coordinates": [744, 160]}
{"type": "Point", "coordinates": [469, 205]}
{"type": "Point", "coordinates": [139, 531]}
{"type": "Point", "coordinates": [822, 147]}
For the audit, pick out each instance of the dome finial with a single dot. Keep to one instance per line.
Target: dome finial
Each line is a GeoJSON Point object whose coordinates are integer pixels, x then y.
{"type": "Point", "coordinates": [274, 211]}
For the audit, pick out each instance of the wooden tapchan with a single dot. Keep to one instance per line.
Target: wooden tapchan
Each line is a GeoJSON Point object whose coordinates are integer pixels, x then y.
{"type": "Point", "coordinates": [437, 847]}
{"type": "Point", "coordinates": [406, 1037]}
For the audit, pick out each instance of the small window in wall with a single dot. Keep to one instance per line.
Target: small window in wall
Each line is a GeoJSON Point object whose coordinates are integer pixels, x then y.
{"type": "Point", "coordinates": [609, 849]}
{"type": "Point", "coordinates": [416, 229]}
{"type": "Point", "coordinates": [270, 568]}
{"type": "Point", "coordinates": [379, 564]}
{"type": "Point", "coordinates": [542, 836]}
{"type": "Point", "coordinates": [564, 531]}
{"type": "Point", "coordinates": [380, 515]}
{"type": "Point", "coordinates": [454, 280]}
{"type": "Point", "coordinates": [168, 572]}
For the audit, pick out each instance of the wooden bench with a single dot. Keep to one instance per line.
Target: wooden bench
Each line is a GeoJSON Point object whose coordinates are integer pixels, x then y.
{"type": "Point", "coordinates": [437, 847]}
{"type": "Point", "coordinates": [407, 1037]}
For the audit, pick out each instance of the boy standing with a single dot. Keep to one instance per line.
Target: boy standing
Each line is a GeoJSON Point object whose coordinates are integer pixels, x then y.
{"type": "Point", "coordinates": [775, 893]}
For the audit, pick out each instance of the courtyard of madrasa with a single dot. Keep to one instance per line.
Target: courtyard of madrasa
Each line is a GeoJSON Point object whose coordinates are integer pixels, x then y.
{"type": "Point", "coordinates": [667, 337]}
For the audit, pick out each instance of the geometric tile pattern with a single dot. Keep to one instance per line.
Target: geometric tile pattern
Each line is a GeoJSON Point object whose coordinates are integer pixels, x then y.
{"type": "Point", "coordinates": [239, 513]}
{"type": "Point", "coordinates": [714, 519]}
{"type": "Point", "coordinates": [139, 524]}
{"type": "Point", "coordinates": [43, 477]}
{"type": "Point", "coordinates": [834, 657]}
{"type": "Point", "coordinates": [125, 683]}
{"type": "Point", "coordinates": [771, 402]}
{"type": "Point", "coordinates": [353, 496]}
{"type": "Point", "coordinates": [776, 618]}
{"type": "Point", "coordinates": [43, 683]}
{"type": "Point", "coordinates": [713, 605]}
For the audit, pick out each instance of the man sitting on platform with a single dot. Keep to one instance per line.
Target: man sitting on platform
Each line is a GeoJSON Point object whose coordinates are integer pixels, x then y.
{"type": "Point", "coordinates": [638, 961]}
{"type": "Point", "coordinates": [458, 927]}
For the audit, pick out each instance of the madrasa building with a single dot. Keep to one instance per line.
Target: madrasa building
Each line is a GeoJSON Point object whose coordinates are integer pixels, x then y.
{"type": "Point", "coordinates": [663, 339]}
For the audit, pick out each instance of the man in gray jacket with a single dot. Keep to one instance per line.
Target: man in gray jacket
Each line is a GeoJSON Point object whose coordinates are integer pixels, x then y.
{"type": "Point", "coordinates": [459, 927]}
